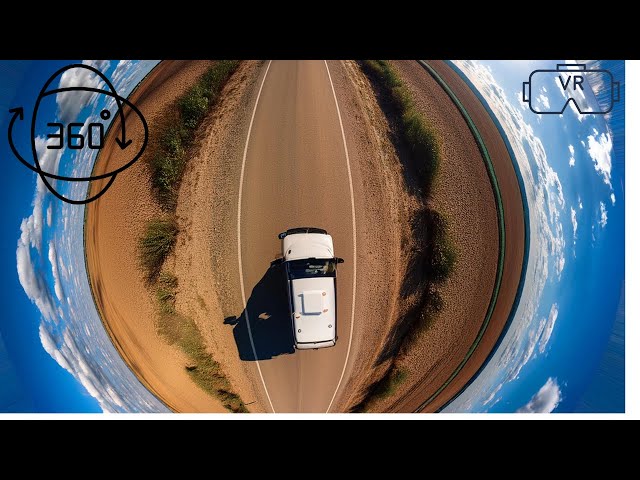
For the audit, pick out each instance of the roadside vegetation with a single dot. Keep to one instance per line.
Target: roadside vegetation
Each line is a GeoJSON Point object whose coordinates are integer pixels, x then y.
{"type": "Point", "coordinates": [388, 385]}
{"type": "Point", "coordinates": [182, 331]}
{"type": "Point", "coordinates": [419, 136]}
{"type": "Point", "coordinates": [433, 256]}
{"type": "Point", "coordinates": [156, 244]}
{"type": "Point", "coordinates": [168, 157]}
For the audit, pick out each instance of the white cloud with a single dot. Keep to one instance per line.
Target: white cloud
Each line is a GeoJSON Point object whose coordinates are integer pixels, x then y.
{"type": "Point", "coordinates": [579, 203]}
{"type": "Point", "coordinates": [548, 328]}
{"type": "Point", "coordinates": [544, 100]}
{"type": "Point", "coordinates": [583, 144]}
{"type": "Point", "coordinates": [49, 214]}
{"type": "Point", "coordinates": [613, 199]}
{"type": "Point", "coordinates": [53, 260]}
{"type": "Point", "coordinates": [546, 400]}
{"type": "Point", "coordinates": [70, 104]}
{"type": "Point", "coordinates": [597, 82]}
{"type": "Point", "coordinates": [49, 162]}
{"type": "Point", "coordinates": [121, 73]}
{"type": "Point", "coordinates": [102, 65]}
{"type": "Point", "coordinates": [603, 215]}
{"type": "Point", "coordinates": [492, 395]}
{"type": "Point", "coordinates": [559, 84]}
{"type": "Point", "coordinates": [574, 223]}
{"type": "Point", "coordinates": [600, 152]}
{"type": "Point", "coordinates": [32, 281]}
{"type": "Point", "coordinates": [572, 158]}
{"type": "Point", "coordinates": [63, 270]}
{"type": "Point", "coordinates": [523, 105]}
{"type": "Point", "coordinates": [123, 79]}
{"type": "Point", "coordinates": [74, 361]}
{"type": "Point", "coordinates": [49, 345]}
{"type": "Point", "coordinates": [539, 337]}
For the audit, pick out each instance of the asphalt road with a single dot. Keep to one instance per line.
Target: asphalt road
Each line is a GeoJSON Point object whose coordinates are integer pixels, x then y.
{"type": "Point", "coordinates": [295, 173]}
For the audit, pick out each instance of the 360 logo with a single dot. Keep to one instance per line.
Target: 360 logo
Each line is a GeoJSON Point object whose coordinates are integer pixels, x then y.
{"type": "Point", "coordinates": [72, 137]}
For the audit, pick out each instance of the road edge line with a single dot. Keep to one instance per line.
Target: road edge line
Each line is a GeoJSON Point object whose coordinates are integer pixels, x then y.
{"type": "Point", "coordinates": [353, 222]}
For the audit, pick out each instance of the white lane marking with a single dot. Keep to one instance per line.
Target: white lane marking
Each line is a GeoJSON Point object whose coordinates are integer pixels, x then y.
{"type": "Point", "coordinates": [353, 222]}
{"type": "Point", "coordinates": [244, 298]}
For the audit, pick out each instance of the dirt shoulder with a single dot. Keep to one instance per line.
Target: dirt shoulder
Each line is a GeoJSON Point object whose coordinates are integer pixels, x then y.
{"type": "Point", "coordinates": [113, 227]}
{"type": "Point", "coordinates": [204, 259]}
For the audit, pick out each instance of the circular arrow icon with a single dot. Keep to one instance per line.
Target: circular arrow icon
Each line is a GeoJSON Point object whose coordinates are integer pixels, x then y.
{"type": "Point", "coordinates": [123, 141]}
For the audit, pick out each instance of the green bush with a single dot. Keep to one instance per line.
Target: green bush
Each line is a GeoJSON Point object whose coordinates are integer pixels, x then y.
{"type": "Point", "coordinates": [390, 383]}
{"type": "Point", "coordinates": [402, 98]}
{"type": "Point", "coordinates": [416, 131]}
{"type": "Point", "coordinates": [156, 244]}
{"type": "Point", "coordinates": [193, 107]}
{"type": "Point", "coordinates": [167, 169]}
{"type": "Point", "coordinates": [214, 79]}
{"type": "Point", "coordinates": [174, 139]}
{"type": "Point", "coordinates": [442, 255]}
{"type": "Point", "coordinates": [166, 292]}
{"type": "Point", "coordinates": [427, 315]}
{"type": "Point", "coordinates": [384, 388]}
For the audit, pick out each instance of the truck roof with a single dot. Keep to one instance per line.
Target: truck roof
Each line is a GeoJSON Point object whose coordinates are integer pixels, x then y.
{"type": "Point", "coordinates": [314, 305]}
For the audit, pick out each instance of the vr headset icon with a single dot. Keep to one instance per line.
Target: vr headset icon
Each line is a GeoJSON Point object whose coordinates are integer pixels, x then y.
{"type": "Point", "coordinates": [572, 79]}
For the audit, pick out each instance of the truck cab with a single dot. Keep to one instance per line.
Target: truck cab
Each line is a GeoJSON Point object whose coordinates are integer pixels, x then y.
{"type": "Point", "coordinates": [310, 266]}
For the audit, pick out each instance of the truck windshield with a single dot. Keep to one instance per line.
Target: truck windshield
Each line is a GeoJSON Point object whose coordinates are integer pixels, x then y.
{"type": "Point", "coordinates": [312, 268]}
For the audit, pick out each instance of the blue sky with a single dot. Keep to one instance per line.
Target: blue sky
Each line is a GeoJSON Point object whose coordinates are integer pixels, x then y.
{"type": "Point", "coordinates": [38, 378]}
{"type": "Point", "coordinates": [56, 357]}
{"type": "Point", "coordinates": [574, 182]}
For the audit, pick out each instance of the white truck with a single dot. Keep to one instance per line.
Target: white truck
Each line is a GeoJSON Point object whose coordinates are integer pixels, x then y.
{"type": "Point", "coordinates": [310, 267]}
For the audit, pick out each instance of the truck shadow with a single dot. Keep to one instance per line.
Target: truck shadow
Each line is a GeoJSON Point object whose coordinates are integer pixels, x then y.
{"type": "Point", "coordinates": [267, 313]}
